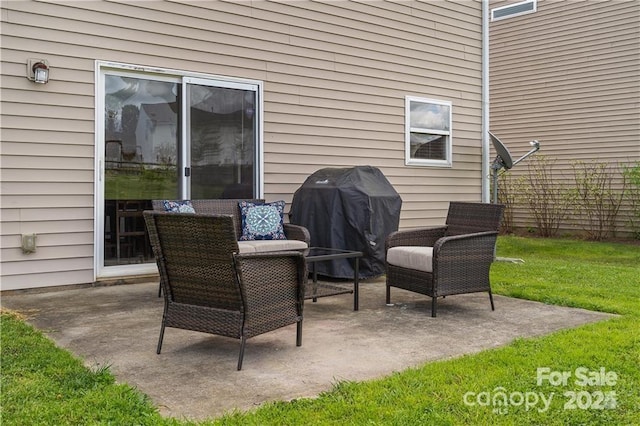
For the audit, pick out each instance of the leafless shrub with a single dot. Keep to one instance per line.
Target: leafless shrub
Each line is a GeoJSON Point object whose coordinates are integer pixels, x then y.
{"type": "Point", "coordinates": [632, 195]}
{"type": "Point", "coordinates": [597, 200]}
{"type": "Point", "coordinates": [510, 189]}
{"type": "Point", "coordinates": [548, 199]}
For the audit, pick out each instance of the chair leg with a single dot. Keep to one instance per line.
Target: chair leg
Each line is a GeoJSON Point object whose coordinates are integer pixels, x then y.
{"type": "Point", "coordinates": [388, 294]}
{"type": "Point", "coordinates": [161, 337]}
{"type": "Point", "coordinates": [160, 290]}
{"type": "Point", "coordinates": [299, 333]}
{"type": "Point", "coordinates": [243, 340]}
{"type": "Point", "coordinates": [434, 303]}
{"type": "Point", "coordinates": [493, 308]}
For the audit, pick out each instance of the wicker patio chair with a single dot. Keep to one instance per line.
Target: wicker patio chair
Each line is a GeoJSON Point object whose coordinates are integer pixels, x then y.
{"type": "Point", "coordinates": [446, 260]}
{"type": "Point", "coordinates": [230, 207]}
{"type": "Point", "coordinates": [210, 288]}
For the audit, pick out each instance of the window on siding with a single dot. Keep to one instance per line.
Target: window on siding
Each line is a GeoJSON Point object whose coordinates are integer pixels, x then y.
{"type": "Point", "coordinates": [516, 9]}
{"type": "Point", "coordinates": [427, 132]}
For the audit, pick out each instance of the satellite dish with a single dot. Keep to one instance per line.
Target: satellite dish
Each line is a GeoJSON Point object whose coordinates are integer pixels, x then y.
{"type": "Point", "coordinates": [504, 160]}
{"type": "Point", "coordinates": [502, 151]}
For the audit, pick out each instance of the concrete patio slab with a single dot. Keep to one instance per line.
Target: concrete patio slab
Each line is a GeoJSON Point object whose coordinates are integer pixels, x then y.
{"type": "Point", "coordinates": [195, 376]}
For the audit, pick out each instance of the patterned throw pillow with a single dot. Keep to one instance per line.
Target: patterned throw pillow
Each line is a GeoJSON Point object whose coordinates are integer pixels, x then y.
{"type": "Point", "coordinates": [262, 221]}
{"type": "Point", "coordinates": [183, 206]}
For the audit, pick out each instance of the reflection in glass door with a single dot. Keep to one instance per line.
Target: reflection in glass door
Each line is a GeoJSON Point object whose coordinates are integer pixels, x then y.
{"type": "Point", "coordinates": [157, 147]}
{"type": "Point", "coordinates": [141, 161]}
{"type": "Point", "coordinates": [221, 133]}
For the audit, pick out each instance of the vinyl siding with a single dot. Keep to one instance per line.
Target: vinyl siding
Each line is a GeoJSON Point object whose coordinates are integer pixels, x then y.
{"type": "Point", "coordinates": [568, 75]}
{"type": "Point", "coordinates": [335, 76]}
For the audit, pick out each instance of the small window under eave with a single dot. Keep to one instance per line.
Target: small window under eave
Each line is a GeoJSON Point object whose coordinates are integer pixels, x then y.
{"type": "Point", "coordinates": [512, 10]}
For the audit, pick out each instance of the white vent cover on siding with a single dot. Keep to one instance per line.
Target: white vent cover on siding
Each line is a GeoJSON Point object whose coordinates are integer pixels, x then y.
{"type": "Point", "coordinates": [516, 9]}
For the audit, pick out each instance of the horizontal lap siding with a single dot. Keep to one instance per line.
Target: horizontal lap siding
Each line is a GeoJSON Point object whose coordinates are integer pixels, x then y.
{"type": "Point", "coordinates": [568, 75]}
{"type": "Point", "coordinates": [335, 76]}
{"type": "Point", "coordinates": [351, 110]}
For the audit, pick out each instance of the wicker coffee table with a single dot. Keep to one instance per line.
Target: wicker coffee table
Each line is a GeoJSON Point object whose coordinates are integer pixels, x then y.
{"type": "Point", "coordinates": [316, 289]}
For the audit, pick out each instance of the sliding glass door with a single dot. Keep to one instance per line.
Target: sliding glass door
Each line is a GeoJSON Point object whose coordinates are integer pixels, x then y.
{"type": "Point", "coordinates": [221, 135]}
{"type": "Point", "coordinates": [169, 137]}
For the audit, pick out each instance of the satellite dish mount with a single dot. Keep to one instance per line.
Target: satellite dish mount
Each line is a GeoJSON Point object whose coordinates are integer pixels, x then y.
{"type": "Point", "coordinates": [504, 160]}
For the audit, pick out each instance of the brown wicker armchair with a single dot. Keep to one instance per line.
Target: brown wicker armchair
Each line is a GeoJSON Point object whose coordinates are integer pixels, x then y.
{"type": "Point", "coordinates": [298, 236]}
{"type": "Point", "coordinates": [230, 207]}
{"type": "Point", "coordinates": [210, 288]}
{"type": "Point", "coordinates": [446, 260]}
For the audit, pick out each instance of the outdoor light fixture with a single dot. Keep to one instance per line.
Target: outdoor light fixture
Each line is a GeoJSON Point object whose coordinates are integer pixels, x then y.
{"type": "Point", "coordinates": [38, 70]}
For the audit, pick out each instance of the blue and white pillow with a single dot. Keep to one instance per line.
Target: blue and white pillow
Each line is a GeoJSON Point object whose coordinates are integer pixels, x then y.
{"type": "Point", "coordinates": [262, 221]}
{"type": "Point", "coordinates": [183, 206]}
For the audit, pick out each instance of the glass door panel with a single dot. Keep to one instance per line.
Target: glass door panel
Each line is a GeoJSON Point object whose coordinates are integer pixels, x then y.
{"type": "Point", "coordinates": [169, 137]}
{"type": "Point", "coordinates": [141, 161]}
{"type": "Point", "coordinates": [222, 137]}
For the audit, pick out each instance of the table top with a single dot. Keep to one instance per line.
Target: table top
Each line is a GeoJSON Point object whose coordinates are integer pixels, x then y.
{"type": "Point", "coordinates": [326, 253]}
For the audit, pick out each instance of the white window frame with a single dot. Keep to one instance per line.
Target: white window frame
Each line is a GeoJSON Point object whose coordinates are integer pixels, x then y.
{"type": "Point", "coordinates": [533, 9]}
{"type": "Point", "coordinates": [181, 77]}
{"type": "Point", "coordinates": [448, 160]}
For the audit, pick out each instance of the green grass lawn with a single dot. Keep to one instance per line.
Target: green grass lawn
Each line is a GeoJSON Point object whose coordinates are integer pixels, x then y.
{"type": "Point", "coordinates": [42, 384]}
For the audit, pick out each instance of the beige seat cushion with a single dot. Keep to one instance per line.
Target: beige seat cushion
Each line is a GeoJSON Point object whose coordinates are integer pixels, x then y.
{"type": "Point", "coordinates": [261, 246]}
{"type": "Point", "coordinates": [411, 257]}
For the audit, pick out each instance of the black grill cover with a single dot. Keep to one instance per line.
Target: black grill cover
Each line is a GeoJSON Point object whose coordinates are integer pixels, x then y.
{"type": "Point", "coordinates": [350, 209]}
